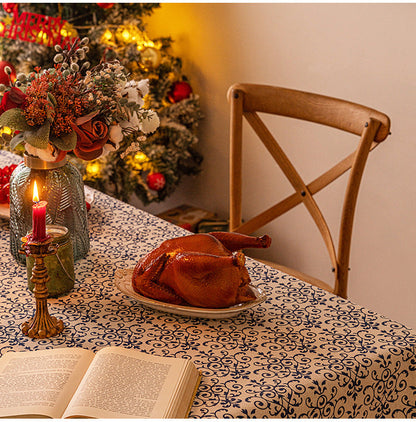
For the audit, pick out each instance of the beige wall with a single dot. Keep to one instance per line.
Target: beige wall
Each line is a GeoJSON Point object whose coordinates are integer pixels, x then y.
{"type": "Point", "coordinates": [361, 52]}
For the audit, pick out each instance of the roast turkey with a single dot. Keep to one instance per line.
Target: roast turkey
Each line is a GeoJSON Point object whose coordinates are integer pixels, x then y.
{"type": "Point", "coordinates": [204, 270]}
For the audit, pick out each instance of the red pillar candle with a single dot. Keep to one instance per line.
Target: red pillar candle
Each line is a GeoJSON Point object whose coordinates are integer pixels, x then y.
{"type": "Point", "coordinates": [38, 217]}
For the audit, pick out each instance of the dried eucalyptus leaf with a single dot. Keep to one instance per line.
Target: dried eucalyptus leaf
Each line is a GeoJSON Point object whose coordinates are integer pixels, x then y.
{"type": "Point", "coordinates": [38, 138]}
{"type": "Point", "coordinates": [14, 119]}
{"type": "Point", "coordinates": [18, 139]}
{"type": "Point", "coordinates": [66, 142]}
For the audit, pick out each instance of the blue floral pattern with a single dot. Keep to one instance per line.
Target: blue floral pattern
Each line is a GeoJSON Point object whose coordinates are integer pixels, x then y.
{"type": "Point", "coordinates": [303, 353]}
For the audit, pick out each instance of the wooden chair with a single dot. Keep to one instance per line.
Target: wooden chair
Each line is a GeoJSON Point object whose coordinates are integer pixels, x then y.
{"type": "Point", "coordinates": [370, 125]}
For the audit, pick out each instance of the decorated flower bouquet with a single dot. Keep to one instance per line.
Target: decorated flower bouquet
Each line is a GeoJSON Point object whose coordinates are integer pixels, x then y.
{"type": "Point", "coordinates": [72, 108]}
{"type": "Point", "coordinates": [63, 109]}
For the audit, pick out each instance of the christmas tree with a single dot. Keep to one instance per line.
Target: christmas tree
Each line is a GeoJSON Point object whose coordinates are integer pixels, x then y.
{"type": "Point", "coordinates": [150, 168]}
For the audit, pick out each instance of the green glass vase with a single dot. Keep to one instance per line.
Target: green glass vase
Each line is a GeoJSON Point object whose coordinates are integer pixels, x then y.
{"type": "Point", "coordinates": [61, 185]}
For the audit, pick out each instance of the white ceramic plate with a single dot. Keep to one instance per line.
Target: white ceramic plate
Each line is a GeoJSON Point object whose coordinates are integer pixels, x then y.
{"type": "Point", "coordinates": [5, 208]}
{"type": "Point", "coordinates": [5, 211]}
{"type": "Point", "coordinates": [123, 283]}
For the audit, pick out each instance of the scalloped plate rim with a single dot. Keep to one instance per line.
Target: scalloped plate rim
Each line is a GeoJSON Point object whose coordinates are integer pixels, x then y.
{"type": "Point", "coordinates": [123, 283]}
{"type": "Point", "coordinates": [5, 211]}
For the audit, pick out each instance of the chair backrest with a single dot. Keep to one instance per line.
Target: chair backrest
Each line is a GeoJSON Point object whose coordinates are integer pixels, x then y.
{"type": "Point", "coordinates": [247, 100]}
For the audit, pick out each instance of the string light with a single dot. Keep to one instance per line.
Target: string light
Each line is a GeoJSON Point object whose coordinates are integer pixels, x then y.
{"type": "Point", "coordinates": [108, 37]}
{"type": "Point", "coordinates": [140, 157]}
{"type": "Point", "coordinates": [128, 34]}
{"type": "Point", "coordinates": [139, 162]}
{"type": "Point", "coordinates": [6, 130]}
{"type": "Point", "coordinates": [42, 38]}
{"type": "Point", "coordinates": [146, 42]}
{"type": "Point", "coordinates": [68, 30]}
{"type": "Point", "coordinates": [93, 169]}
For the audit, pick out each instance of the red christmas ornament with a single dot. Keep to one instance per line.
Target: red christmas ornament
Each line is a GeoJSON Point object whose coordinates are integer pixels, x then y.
{"type": "Point", "coordinates": [156, 181]}
{"type": "Point", "coordinates": [9, 7]}
{"type": "Point", "coordinates": [186, 226]}
{"type": "Point", "coordinates": [105, 5]}
{"type": "Point", "coordinates": [180, 91]}
{"type": "Point", "coordinates": [4, 78]}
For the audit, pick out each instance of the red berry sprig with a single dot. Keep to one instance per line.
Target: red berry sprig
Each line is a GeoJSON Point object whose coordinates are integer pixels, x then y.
{"type": "Point", "coordinates": [5, 174]}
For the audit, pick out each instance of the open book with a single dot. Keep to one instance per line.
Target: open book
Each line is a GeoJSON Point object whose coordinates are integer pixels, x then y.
{"type": "Point", "coordinates": [113, 383]}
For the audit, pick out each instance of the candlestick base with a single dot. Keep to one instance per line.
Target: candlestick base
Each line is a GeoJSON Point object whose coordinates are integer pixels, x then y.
{"type": "Point", "coordinates": [42, 324]}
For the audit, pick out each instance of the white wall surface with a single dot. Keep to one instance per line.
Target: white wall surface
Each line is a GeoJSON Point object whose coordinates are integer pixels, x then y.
{"type": "Point", "coordinates": [361, 52]}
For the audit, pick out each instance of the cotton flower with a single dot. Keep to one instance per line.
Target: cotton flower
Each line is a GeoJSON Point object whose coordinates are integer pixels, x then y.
{"type": "Point", "coordinates": [134, 91]}
{"type": "Point", "coordinates": [131, 92]}
{"type": "Point", "coordinates": [143, 87]}
{"type": "Point", "coordinates": [132, 124]}
{"type": "Point", "coordinates": [150, 123]}
{"type": "Point", "coordinates": [116, 136]}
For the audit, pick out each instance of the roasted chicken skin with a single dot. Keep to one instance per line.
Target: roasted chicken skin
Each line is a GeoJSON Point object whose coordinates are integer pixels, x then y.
{"type": "Point", "coordinates": [204, 270]}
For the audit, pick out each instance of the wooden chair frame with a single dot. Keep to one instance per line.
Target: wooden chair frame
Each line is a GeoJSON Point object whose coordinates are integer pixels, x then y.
{"type": "Point", "coordinates": [372, 126]}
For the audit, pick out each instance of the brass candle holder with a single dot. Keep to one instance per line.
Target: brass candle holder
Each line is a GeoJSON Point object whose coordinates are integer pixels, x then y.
{"type": "Point", "coordinates": [42, 324]}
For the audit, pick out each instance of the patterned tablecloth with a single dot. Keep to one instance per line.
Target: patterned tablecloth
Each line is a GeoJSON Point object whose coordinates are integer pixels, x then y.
{"type": "Point", "coordinates": [301, 353]}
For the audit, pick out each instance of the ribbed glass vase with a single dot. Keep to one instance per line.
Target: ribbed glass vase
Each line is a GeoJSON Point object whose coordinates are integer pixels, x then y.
{"type": "Point", "coordinates": [61, 185]}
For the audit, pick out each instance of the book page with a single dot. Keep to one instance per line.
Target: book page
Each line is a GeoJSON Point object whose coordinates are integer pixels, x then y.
{"type": "Point", "coordinates": [41, 382]}
{"type": "Point", "coordinates": [124, 383]}
{"type": "Point", "coordinates": [191, 380]}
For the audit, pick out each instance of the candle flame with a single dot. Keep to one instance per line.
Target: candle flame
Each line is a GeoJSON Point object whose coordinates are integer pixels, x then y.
{"type": "Point", "coordinates": [35, 193]}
